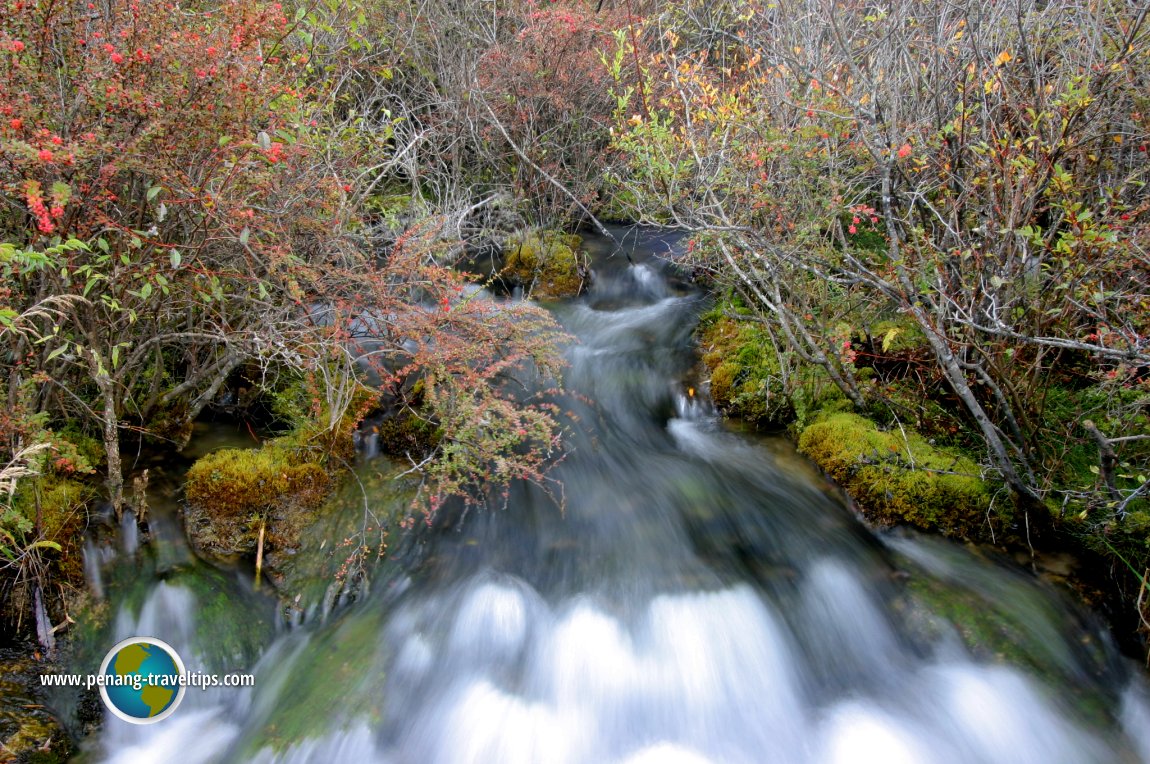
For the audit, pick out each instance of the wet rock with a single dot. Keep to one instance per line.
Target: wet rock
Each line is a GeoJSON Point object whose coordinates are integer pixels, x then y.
{"type": "Point", "coordinates": [28, 731]}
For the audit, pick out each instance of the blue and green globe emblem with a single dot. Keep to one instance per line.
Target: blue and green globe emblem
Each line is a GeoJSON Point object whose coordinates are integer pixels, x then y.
{"type": "Point", "coordinates": [141, 680]}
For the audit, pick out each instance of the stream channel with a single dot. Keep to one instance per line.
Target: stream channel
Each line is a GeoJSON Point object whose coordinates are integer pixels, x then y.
{"type": "Point", "coordinates": [701, 596]}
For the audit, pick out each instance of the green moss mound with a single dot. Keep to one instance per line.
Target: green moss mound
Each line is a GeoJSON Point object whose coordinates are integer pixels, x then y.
{"type": "Point", "coordinates": [239, 482]}
{"type": "Point", "coordinates": [899, 477]}
{"type": "Point", "coordinates": [231, 491]}
{"type": "Point", "coordinates": [745, 377]}
{"type": "Point", "coordinates": [547, 264]}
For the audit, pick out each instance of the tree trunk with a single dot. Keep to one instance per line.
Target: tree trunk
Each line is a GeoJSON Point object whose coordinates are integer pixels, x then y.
{"type": "Point", "coordinates": [111, 426]}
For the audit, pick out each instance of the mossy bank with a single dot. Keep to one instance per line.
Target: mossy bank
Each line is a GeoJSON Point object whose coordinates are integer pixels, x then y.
{"type": "Point", "coordinates": [909, 457]}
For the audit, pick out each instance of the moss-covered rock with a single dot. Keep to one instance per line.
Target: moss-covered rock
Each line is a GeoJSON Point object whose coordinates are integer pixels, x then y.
{"type": "Point", "coordinates": [898, 477]}
{"type": "Point", "coordinates": [745, 376]}
{"type": "Point", "coordinates": [547, 264]}
{"type": "Point", "coordinates": [231, 492]}
{"type": "Point", "coordinates": [241, 482]}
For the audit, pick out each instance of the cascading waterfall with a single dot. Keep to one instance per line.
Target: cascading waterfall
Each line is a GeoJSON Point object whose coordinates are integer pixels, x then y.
{"type": "Point", "coordinates": [698, 596]}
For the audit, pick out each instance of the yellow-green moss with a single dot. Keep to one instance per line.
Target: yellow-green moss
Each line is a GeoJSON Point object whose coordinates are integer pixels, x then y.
{"type": "Point", "coordinates": [240, 482]}
{"type": "Point", "coordinates": [407, 433]}
{"type": "Point", "coordinates": [231, 491]}
{"type": "Point", "coordinates": [547, 263]}
{"type": "Point", "coordinates": [744, 371]}
{"type": "Point", "coordinates": [897, 477]}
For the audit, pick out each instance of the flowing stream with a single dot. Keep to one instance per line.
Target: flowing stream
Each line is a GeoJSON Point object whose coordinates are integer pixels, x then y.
{"type": "Point", "coordinates": [695, 596]}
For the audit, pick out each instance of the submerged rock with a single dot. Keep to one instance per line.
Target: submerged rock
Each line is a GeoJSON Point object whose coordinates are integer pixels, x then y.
{"type": "Point", "coordinates": [28, 731]}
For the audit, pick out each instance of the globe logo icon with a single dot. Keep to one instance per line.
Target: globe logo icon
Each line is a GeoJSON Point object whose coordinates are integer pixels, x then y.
{"type": "Point", "coordinates": [141, 680]}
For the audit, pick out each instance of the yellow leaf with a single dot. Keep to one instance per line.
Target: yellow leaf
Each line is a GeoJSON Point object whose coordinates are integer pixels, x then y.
{"type": "Point", "coordinates": [1003, 58]}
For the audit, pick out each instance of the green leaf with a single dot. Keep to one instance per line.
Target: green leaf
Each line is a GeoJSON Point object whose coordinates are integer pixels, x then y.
{"type": "Point", "coordinates": [245, 235]}
{"type": "Point", "coordinates": [175, 258]}
{"type": "Point", "coordinates": [44, 544]}
{"type": "Point", "coordinates": [154, 191]}
{"type": "Point", "coordinates": [61, 193]}
{"type": "Point", "coordinates": [890, 338]}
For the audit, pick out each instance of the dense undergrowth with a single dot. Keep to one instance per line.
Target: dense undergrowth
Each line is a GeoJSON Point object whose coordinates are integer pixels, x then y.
{"type": "Point", "coordinates": [909, 457]}
{"type": "Point", "coordinates": [206, 204]}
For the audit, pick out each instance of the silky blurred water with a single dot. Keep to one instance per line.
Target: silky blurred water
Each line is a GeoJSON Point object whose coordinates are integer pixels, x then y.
{"type": "Point", "coordinates": [696, 596]}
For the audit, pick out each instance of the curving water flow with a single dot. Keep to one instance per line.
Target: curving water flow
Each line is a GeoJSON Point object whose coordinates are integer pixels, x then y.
{"type": "Point", "coordinates": [699, 597]}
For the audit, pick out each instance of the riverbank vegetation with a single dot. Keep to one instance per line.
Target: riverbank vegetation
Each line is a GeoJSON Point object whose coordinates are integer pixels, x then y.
{"type": "Point", "coordinates": [200, 206]}
{"type": "Point", "coordinates": [939, 212]}
{"type": "Point", "coordinates": [926, 224]}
